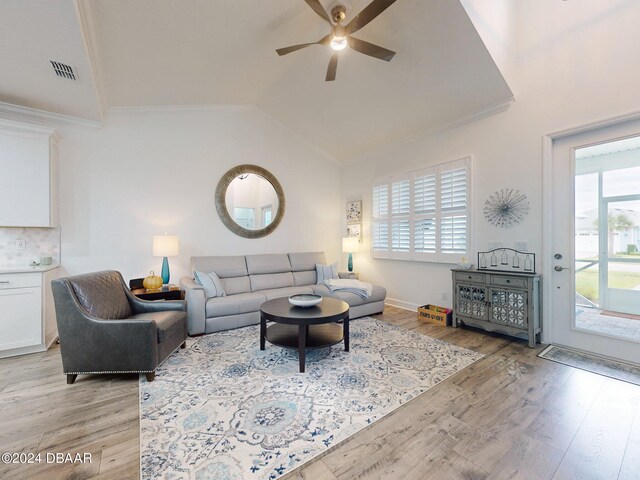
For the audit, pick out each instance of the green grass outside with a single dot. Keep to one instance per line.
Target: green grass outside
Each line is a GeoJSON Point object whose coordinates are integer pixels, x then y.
{"type": "Point", "coordinates": [587, 282]}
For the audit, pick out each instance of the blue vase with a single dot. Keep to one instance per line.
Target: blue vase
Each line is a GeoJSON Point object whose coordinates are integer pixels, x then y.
{"type": "Point", "coordinates": [165, 271]}
{"type": "Point", "coordinates": [350, 263]}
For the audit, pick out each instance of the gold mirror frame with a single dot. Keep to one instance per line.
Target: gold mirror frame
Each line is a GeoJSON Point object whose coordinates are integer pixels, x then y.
{"type": "Point", "coordinates": [221, 202]}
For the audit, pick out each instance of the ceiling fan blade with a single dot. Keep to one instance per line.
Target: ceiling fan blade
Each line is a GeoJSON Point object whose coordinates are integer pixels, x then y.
{"type": "Point", "coordinates": [293, 48]}
{"type": "Point", "coordinates": [371, 49]}
{"type": "Point", "coordinates": [319, 9]}
{"type": "Point", "coordinates": [333, 67]}
{"type": "Point", "coordinates": [367, 14]}
{"type": "Point", "coordinates": [323, 41]}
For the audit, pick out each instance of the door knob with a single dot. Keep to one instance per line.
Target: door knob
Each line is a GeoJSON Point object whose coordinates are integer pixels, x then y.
{"type": "Point", "coordinates": [558, 268]}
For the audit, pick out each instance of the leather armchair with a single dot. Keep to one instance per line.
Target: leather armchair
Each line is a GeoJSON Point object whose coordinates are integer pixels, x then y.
{"type": "Point", "coordinates": [103, 328]}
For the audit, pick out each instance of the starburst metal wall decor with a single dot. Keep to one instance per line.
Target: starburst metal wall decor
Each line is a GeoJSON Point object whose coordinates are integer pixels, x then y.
{"type": "Point", "coordinates": [506, 208]}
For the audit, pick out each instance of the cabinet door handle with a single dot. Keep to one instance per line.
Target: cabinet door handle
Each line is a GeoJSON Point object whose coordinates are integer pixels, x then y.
{"type": "Point", "coordinates": [5, 282]}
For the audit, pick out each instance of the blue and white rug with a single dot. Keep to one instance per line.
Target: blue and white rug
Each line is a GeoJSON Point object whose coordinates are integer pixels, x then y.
{"type": "Point", "coordinates": [223, 409]}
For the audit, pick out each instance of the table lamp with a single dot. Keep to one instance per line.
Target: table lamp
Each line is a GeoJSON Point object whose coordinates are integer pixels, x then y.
{"type": "Point", "coordinates": [165, 246]}
{"type": "Point", "coordinates": [350, 245]}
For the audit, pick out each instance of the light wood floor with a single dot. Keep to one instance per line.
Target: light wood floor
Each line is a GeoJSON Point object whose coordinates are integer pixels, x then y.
{"type": "Point", "coordinates": [509, 416]}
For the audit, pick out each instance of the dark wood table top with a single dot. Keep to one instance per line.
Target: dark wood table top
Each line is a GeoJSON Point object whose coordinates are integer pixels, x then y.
{"type": "Point", "coordinates": [281, 311]}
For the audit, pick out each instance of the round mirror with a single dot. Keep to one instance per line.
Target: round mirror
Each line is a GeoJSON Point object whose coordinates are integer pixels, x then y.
{"type": "Point", "coordinates": [250, 201]}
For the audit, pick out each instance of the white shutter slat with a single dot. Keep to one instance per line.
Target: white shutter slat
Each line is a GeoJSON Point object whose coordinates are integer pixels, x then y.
{"type": "Point", "coordinates": [453, 234]}
{"type": "Point", "coordinates": [400, 236]}
{"type": "Point", "coordinates": [453, 193]}
{"type": "Point", "coordinates": [380, 200]}
{"type": "Point", "coordinates": [400, 197]}
{"type": "Point", "coordinates": [424, 188]}
{"type": "Point", "coordinates": [380, 235]}
{"type": "Point", "coordinates": [425, 235]}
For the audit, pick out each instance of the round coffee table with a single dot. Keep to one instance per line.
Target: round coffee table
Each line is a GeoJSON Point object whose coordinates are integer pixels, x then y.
{"type": "Point", "coordinates": [316, 325]}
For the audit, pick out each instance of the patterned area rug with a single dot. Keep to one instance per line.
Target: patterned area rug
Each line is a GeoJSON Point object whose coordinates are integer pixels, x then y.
{"type": "Point", "coordinates": [592, 363]}
{"type": "Point", "coordinates": [223, 409]}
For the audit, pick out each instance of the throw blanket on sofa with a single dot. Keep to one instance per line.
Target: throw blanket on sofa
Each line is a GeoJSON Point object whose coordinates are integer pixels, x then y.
{"type": "Point", "coordinates": [362, 289]}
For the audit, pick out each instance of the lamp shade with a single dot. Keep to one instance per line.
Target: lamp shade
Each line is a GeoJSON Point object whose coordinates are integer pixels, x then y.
{"type": "Point", "coordinates": [350, 244]}
{"type": "Point", "coordinates": [165, 245]}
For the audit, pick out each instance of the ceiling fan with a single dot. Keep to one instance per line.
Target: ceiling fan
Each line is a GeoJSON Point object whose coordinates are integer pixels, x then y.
{"type": "Point", "coordinates": [341, 35]}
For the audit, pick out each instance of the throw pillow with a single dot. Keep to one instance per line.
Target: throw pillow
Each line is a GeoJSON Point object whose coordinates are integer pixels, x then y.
{"type": "Point", "coordinates": [326, 272]}
{"type": "Point", "coordinates": [211, 284]}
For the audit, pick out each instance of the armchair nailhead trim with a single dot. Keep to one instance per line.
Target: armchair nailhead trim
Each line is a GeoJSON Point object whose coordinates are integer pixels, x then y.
{"type": "Point", "coordinates": [119, 371]}
{"type": "Point", "coordinates": [111, 371]}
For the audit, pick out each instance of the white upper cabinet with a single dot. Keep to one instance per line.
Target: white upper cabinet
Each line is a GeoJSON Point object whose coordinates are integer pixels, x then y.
{"type": "Point", "coordinates": [28, 176]}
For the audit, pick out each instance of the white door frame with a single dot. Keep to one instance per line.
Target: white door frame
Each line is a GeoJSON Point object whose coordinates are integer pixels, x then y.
{"type": "Point", "coordinates": [547, 209]}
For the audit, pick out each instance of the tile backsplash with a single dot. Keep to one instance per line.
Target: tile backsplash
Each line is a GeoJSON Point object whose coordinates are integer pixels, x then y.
{"type": "Point", "coordinates": [39, 242]}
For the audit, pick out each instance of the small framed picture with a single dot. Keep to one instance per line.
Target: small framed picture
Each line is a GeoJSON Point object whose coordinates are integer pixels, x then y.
{"type": "Point", "coordinates": [354, 229]}
{"type": "Point", "coordinates": [354, 211]}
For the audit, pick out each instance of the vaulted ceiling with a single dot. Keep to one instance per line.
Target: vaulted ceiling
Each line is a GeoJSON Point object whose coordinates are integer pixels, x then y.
{"type": "Point", "coordinates": [201, 52]}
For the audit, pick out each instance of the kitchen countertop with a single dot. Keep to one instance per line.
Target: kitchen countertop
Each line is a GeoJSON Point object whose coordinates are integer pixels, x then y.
{"type": "Point", "coordinates": [27, 268]}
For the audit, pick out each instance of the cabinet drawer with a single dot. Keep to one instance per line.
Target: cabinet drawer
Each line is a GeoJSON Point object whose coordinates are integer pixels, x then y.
{"type": "Point", "coordinates": [509, 281]}
{"type": "Point", "coordinates": [17, 280]}
{"type": "Point", "coordinates": [470, 277]}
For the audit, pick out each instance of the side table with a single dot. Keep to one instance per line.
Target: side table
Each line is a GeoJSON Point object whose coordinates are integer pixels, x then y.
{"type": "Point", "coordinates": [167, 292]}
{"type": "Point", "coordinates": [349, 275]}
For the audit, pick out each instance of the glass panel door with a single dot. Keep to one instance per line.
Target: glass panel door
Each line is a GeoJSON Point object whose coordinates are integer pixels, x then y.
{"type": "Point", "coordinates": [622, 280]}
{"type": "Point", "coordinates": [590, 271]}
{"type": "Point", "coordinates": [607, 239]}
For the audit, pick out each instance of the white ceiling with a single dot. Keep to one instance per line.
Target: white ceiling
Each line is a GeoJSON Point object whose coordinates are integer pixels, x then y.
{"type": "Point", "coordinates": [196, 52]}
{"type": "Point", "coordinates": [33, 32]}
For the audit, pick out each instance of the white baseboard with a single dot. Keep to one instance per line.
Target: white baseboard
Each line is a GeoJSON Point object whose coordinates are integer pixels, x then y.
{"type": "Point", "coordinates": [401, 304]}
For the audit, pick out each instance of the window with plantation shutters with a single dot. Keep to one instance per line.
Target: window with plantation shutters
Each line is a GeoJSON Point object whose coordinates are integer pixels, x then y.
{"type": "Point", "coordinates": [380, 224]}
{"type": "Point", "coordinates": [423, 215]}
{"type": "Point", "coordinates": [453, 207]}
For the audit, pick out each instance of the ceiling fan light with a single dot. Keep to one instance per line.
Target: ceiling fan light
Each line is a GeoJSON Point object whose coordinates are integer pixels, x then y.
{"type": "Point", "coordinates": [338, 43]}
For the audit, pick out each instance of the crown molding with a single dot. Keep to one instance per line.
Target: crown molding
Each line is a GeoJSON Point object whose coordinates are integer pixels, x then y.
{"type": "Point", "coordinates": [486, 111]}
{"type": "Point", "coordinates": [25, 129]}
{"type": "Point", "coordinates": [33, 116]}
{"type": "Point", "coordinates": [622, 118]}
{"type": "Point", "coordinates": [184, 108]}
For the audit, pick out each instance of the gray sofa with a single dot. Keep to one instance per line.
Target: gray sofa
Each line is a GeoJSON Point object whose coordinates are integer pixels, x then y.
{"type": "Point", "coordinates": [251, 280]}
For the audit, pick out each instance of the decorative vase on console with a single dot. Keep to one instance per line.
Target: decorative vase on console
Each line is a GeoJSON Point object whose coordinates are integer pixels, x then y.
{"type": "Point", "coordinates": [464, 263]}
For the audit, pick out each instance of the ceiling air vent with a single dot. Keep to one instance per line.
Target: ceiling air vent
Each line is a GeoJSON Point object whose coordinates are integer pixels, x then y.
{"type": "Point", "coordinates": [64, 71]}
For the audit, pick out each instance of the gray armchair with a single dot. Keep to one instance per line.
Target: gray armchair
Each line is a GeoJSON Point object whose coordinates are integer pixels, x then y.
{"type": "Point", "coordinates": [103, 328]}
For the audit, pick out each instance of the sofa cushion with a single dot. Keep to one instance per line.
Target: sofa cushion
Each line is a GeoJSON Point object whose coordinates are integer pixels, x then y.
{"type": "Point", "coordinates": [305, 261]}
{"type": "Point", "coordinates": [235, 285]}
{"type": "Point", "coordinates": [285, 292]}
{"type": "Point", "coordinates": [102, 294]}
{"type": "Point", "coordinates": [225, 267]}
{"type": "Point", "coordinates": [268, 263]}
{"type": "Point", "coordinates": [271, 280]}
{"type": "Point", "coordinates": [234, 304]}
{"type": "Point", "coordinates": [211, 284]}
{"type": "Point", "coordinates": [305, 278]}
{"type": "Point", "coordinates": [378, 294]}
{"type": "Point", "coordinates": [351, 298]}
{"type": "Point", "coordinates": [168, 322]}
{"type": "Point", "coordinates": [326, 272]}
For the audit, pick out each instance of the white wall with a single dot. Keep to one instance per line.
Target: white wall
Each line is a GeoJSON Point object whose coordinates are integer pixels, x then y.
{"type": "Point", "coordinates": [573, 63]}
{"type": "Point", "coordinates": [147, 172]}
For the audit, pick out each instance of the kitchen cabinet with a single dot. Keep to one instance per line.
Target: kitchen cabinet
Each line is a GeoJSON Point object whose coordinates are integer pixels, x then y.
{"type": "Point", "coordinates": [29, 180]}
{"type": "Point", "coordinates": [27, 314]}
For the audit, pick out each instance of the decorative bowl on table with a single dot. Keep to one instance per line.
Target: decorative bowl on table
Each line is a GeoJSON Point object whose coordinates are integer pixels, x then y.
{"type": "Point", "coordinates": [305, 300]}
